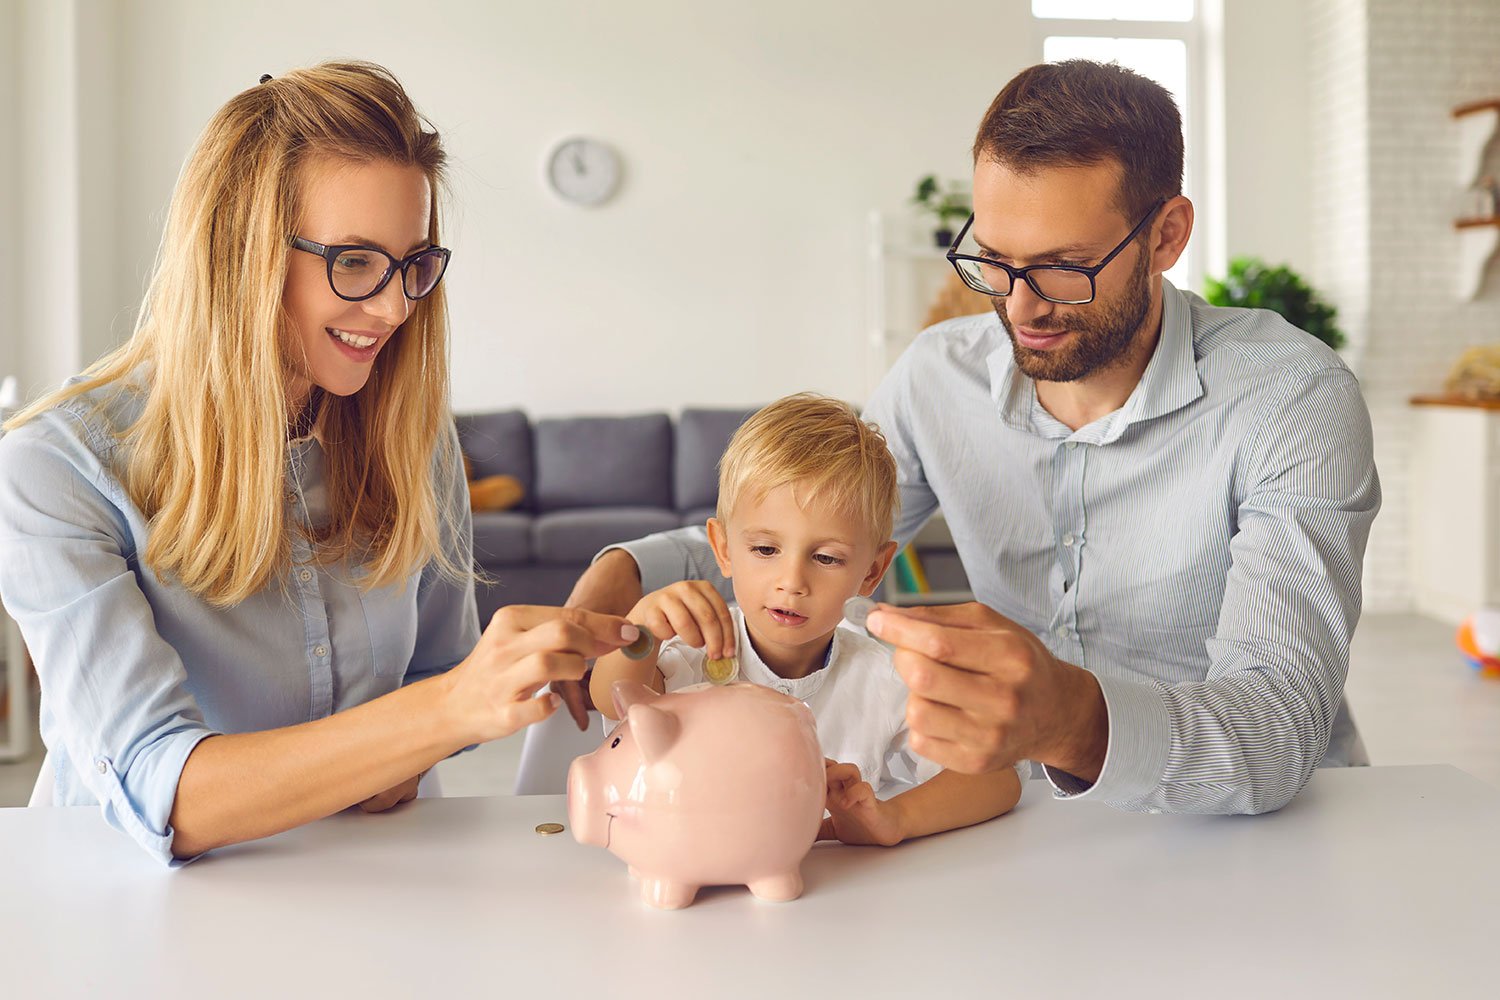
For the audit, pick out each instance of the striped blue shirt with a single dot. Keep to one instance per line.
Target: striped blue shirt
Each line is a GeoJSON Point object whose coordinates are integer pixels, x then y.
{"type": "Point", "coordinates": [1199, 549]}
{"type": "Point", "coordinates": [136, 671]}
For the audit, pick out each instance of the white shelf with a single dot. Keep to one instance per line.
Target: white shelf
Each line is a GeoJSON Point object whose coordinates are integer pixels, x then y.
{"type": "Point", "coordinates": [1477, 123]}
{"type": "Point", "coordinates": [901, 599]}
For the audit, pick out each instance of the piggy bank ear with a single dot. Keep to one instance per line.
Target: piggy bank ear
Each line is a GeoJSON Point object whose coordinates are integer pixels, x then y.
{"type": "Point", "coordinates": [627, 693]}
{"type": "Point", "coordinates": [655, 731]}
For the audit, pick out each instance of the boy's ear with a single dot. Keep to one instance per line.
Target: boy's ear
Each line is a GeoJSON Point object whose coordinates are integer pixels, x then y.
{"type": "Point", "coordinates": [718, 539]}
{"type": "Point", "coordinates": [883, 557]}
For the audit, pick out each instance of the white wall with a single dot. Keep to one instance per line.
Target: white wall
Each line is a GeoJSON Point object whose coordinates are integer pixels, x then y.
{"type": "Point", "coordinates": [729, 269]}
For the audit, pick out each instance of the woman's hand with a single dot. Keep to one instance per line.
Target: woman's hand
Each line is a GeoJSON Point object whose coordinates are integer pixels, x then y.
{"type": "Point", "coordinates": [491, 694]}
{"type": "Point", "coordinates": [855, 815]}
{"type": "Point", "coordinates": [691, 610]}
{"type": "Point", "coordinates": [392, 797]}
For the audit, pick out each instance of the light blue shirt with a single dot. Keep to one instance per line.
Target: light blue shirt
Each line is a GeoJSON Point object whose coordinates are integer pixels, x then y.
{"type": "Point", "coordinates": [136, 671]}
{"type": "Point", "coordinates": [1199, 549]}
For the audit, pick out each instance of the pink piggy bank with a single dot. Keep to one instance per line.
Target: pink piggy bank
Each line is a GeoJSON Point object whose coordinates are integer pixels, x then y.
{"type": "Point", "coordinates": [704, 786]}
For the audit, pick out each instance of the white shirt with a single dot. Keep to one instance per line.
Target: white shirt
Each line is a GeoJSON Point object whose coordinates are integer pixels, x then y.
{"type": "Point", "coordinates": [857, 698]}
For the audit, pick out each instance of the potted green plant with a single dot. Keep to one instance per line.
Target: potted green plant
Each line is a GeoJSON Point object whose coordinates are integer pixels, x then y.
{"type": "Point", "coordinates": [948, 206]}
{"type": "Point", "coordinates": [1252, 284]}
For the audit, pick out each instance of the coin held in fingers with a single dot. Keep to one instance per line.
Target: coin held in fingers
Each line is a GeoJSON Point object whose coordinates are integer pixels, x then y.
{"type": "Point", "coordinates": [722, 670]}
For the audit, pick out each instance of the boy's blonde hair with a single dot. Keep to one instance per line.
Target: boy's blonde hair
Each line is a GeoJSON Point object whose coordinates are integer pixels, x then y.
{"type": "Point", "coordinates": [822, 449]}
{"type": "Point", "coordinates": [207, 457]}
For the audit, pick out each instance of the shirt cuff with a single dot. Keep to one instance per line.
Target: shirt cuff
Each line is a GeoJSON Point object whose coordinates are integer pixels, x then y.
{"type": "Point", "coordinates": [1140, 735]}
{"type": "Point", "coordinates": [659, 560]}
{"type": "Point", "coordinates": [139, 802]}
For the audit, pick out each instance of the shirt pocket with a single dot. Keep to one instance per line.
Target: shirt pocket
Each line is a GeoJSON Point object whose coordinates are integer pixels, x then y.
{"type": "Point", "coordinates": [391, 618]}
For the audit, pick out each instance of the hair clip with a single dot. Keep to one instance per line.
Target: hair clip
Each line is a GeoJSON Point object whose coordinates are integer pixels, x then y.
{"type": "Point", "coordinates": [265, 77]}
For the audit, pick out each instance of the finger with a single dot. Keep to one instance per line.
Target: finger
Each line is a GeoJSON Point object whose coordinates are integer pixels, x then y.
{"type": "Point", "coordinates": [825, 831]}
{"type": "Point", "coordinates": [527, 676]}
{"type": "Point", "coordinates": [981, 739]}
{"type": "Point", "coordinates": [979, 692]}
{"type": "Point", "coordinates": [954, 756]}
{"type": "Point", "coordinates": [843, 773]}
{"type": "Point", "coordinates": [559, 635]}
{"type": "Point", "coordinates": [574, 695]}
{"type": "Point", "coordinates": [530, 711]}
{"type": "Point", "coordinates": [979, 651]}
{"type": "Point", "coordinates": [968, 615]}
{"type": "Point", "coordinates": [715, 630]}
{"type": "Point", "coordinates": [608, 632]}
{"type": "Point", "coordinates": [726, 620]}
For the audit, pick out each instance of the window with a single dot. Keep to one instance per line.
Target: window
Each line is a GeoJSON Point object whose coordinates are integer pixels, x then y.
{"type": "Point", "coordinates": [1158, 39]}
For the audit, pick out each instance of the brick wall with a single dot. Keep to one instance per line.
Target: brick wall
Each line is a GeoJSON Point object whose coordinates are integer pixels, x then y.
{"type": "Point", "coordinates": [1383, 77]}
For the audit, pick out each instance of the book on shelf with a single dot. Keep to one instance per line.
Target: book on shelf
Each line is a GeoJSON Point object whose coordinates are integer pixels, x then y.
{"type": "Point", "coordinates": [910, 575]}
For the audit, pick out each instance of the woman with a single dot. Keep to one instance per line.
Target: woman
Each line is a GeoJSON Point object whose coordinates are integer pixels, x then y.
{"type": "Point", "coordinates": [238, 546]}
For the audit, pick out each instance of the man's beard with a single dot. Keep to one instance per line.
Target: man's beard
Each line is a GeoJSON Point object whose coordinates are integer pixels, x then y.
{"type": "Point", "coordinates": [1103, 333]}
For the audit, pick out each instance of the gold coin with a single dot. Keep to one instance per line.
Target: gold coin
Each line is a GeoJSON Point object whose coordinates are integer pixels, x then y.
{"type": "Point", "coordinates": [722, 671]}
{"type": "Point", "coordinates": [548, 829]}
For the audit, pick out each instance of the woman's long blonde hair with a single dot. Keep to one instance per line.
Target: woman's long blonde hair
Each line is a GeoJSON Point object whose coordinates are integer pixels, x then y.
{"type": "Point", "coordinates": [208, 454]}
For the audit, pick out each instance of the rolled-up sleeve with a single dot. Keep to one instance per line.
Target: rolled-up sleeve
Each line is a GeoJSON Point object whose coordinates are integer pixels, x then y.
{"type": "Point", "coordinates": [115, 688]}
{"type": "Point", "coordinates": [669, 556]}
{"type": "Point", "coordinates": [447, 616]}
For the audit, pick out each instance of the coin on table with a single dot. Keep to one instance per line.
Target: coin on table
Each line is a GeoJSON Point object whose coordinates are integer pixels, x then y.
{"type": "Point", "coordinates": [722, 671]}
{"type": "Point", "coordinates": [548, 829]}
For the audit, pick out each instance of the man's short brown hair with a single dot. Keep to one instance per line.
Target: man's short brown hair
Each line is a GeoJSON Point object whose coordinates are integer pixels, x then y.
{"type": "Point", "coordinates": [1079, 113]}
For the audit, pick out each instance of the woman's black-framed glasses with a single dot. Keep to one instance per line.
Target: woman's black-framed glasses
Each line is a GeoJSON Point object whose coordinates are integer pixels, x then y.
{"type": "Point", "coordinates": [1065, 284]}
{"type": "Point", "coordinates": [356, 272]}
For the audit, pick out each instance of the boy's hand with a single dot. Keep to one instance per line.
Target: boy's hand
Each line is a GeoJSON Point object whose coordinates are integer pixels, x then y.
{"type": "Point", "coordinates": [855, 815]}
{"type": "Point", "coordinates": [691, 610]}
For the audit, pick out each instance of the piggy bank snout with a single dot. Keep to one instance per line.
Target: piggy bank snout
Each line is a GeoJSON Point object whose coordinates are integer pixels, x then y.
{"type": "Point", "coordinates": [585, 806]}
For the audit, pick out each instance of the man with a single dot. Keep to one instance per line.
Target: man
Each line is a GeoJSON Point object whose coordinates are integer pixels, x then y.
{"type": "Point", "coordinates": [1162, 506]}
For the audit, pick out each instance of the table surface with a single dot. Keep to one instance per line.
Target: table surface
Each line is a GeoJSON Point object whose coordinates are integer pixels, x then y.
{"type": "Point", "coordinates": [1373, 882]}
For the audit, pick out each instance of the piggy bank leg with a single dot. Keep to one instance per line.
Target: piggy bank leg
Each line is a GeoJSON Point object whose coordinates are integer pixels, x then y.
{"type": "Point", "coordinates": [665, 894]}
{"type": "Point", "coordinates": [778, 888]}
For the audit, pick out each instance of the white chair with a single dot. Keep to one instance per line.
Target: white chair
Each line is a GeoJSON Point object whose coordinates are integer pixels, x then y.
{"type": "Point", "coordinates": [41, 792]}
{"type": "Point", "coordinates": [549, 749]}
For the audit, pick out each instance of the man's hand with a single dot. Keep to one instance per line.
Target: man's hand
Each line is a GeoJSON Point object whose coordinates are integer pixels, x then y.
{"type": "Point", "coordinates": [611, 585]}
{"type": "Point", "coordinates": [855, 815]}
{"type": "Point", "coordinates": [985, 692]}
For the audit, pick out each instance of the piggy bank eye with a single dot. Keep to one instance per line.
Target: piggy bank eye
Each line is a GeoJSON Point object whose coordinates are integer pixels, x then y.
{"type": "Point", "coordinates": [615, 743]}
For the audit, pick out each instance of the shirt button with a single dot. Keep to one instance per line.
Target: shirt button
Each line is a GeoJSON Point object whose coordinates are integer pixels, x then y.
{"type": "Point", "coordinates": [101, 767]}
{"type": "Point", "coordinates": [304, 575]}
{"type": "Point", "coordinates": [1072, 445]}
{"type": "Point", "coordinates": [1068, 539]}
{"type": "Point", "coordinates": [1061, 631]}
{"type": "Point", "coordinates": [320, 651]}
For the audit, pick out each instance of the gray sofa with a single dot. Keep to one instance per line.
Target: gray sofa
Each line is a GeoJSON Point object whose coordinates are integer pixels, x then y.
{"type": "Point", "coordinates": [589, 482]}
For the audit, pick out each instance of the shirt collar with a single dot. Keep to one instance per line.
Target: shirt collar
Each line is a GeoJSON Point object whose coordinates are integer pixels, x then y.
{"type": "Point", "coordinates": [1169, 383]}
{"type": "Point", "coordinates": [754, 669]}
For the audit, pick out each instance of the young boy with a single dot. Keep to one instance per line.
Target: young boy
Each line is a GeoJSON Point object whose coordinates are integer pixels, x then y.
{"type": "Point", "coordinates": [807, 498]}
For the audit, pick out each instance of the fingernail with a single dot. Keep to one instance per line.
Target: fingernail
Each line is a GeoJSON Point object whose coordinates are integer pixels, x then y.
{"type": "Point", "coordinates": [629, 632]}
{"type": "Point", "coordinates": [555, 701]}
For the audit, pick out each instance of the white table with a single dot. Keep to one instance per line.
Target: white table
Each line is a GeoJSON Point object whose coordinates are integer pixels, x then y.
{"type": "Point", "coordinates": [1374, 882]}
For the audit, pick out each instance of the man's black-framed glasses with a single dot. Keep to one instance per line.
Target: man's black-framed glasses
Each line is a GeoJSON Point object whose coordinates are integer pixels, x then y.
{"type": "Point", "coordinates": [356, 272]}
{"type": "Point", "coordinates": [1065, 284]}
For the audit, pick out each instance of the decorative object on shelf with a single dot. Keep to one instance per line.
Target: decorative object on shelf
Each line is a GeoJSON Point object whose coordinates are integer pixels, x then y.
{"type": "Point", "coordinates": [955, 299]}
{"type": "Point", "coordinates": [1479, 640]}
{"type": "Point", "coordinates": [1476, 374]}
{"type": "Point", "coordinates": [1478, 230]}
{"type": "Point", "coordinates": [948, 206]}
{"type": "Point", "coordinates": [1252, 284]}
{"type": "Point", "coordinates": [584, 171]}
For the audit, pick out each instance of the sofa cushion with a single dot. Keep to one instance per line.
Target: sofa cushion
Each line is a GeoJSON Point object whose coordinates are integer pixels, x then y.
{"type": "Point", "coordinates": [502, 538]}
{"type": "Point", "coordinates": [604, 462]}
{"type": "Point", "coordinates": [573, 536]}
{"type": "Point", "coordinates": [702, 436]}
{"type": "Point", "coordinates": [499, 444]}
{"type": "Point", "coordinates": [698, 517]}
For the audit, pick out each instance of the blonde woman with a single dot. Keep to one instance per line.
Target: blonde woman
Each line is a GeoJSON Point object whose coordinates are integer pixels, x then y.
{"type": "Point", "coordinates": [238, 546]}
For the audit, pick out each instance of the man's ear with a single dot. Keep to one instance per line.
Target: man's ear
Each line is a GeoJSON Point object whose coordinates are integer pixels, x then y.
{"type": "Point", "coordinates": [1172, 228]}
{"type": "Point", "coordinates": [883, 557]}
{"type": "Point", "coordinates": [718, 539]}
